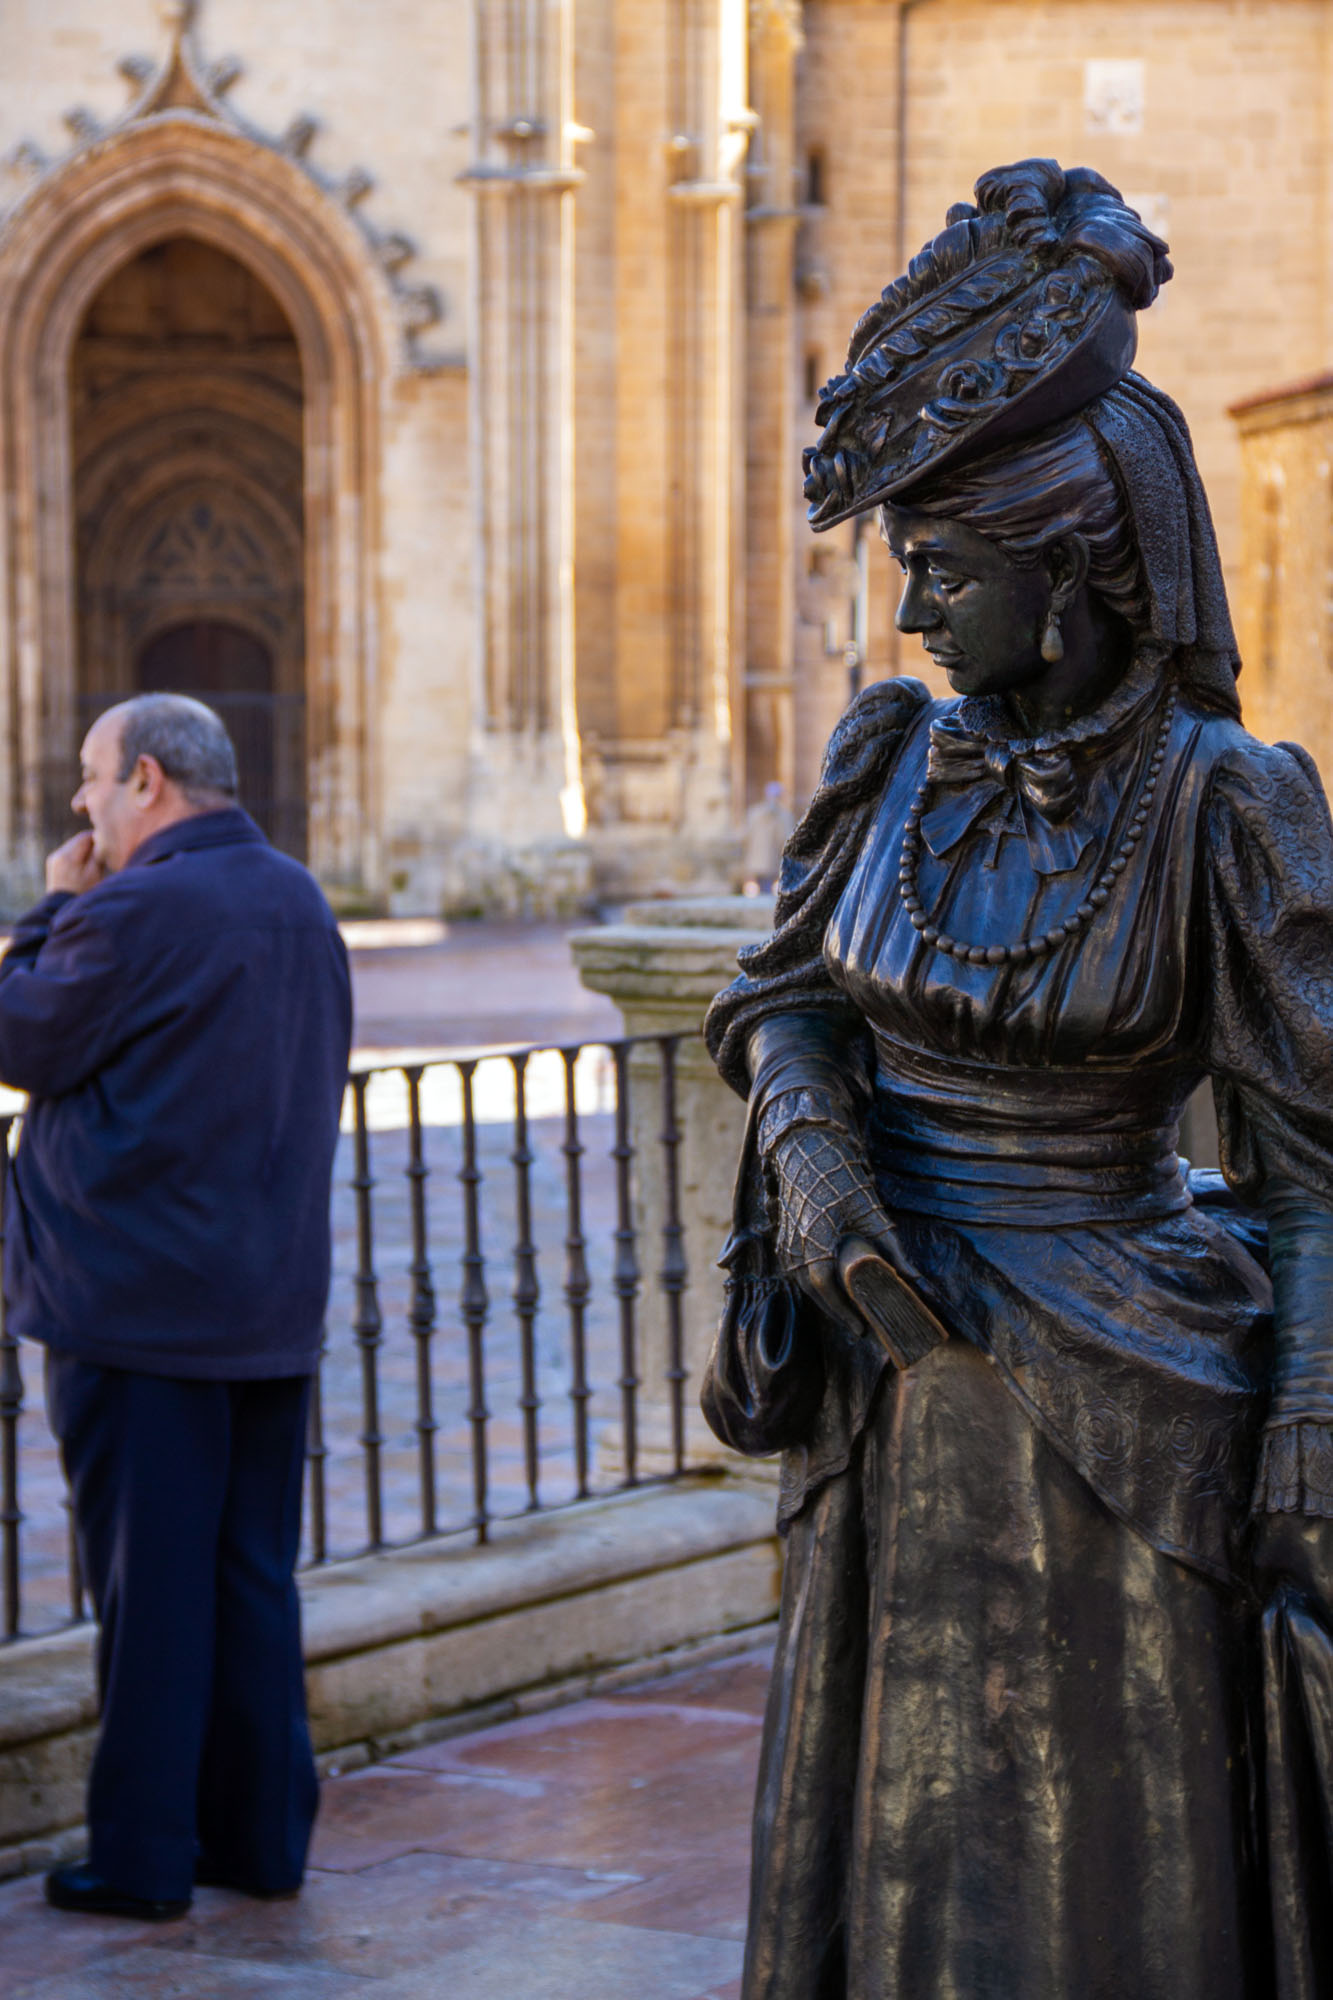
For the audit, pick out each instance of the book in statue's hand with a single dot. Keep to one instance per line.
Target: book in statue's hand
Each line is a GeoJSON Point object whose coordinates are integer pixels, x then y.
{"type": "Point", "coordinates": [896, 1314]}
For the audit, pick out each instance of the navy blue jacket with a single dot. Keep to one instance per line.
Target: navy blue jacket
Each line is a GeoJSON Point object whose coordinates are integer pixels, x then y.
{"type": "Point", "coordinates": [183, 1030]}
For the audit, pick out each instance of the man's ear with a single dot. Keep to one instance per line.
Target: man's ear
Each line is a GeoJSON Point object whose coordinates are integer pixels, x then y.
{"type": "Point", "coordinates": [147, 781]}
{"type": "Point", "coordinates": [1067, 561]}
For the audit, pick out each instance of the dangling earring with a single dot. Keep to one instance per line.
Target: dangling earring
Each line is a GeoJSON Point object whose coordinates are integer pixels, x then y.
{"type": "Point", "coordinates": [1052, 645]}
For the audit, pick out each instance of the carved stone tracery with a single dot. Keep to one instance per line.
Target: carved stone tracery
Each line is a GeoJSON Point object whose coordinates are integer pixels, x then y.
{"type": "Point", "coordinates": [201, 550]}
{"type": "Point", "coordinates": [187, 463]}
{"type": "Point", "coordinates": [183, 82]}
{"type": "Point", "coordinates": [180, 166]}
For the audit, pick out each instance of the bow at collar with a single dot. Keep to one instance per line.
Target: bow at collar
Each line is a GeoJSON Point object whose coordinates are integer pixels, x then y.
{"type": "Point", "coordinates": [1033, 792]}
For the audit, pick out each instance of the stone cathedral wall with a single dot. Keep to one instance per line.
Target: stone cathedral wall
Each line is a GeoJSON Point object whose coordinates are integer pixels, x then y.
{"type": "Point", "coordinates": [1217, 116]}
{"type": "Point", "coordinates": [388, 87]}
{"type": "Point", "coordinates": [704, 292]}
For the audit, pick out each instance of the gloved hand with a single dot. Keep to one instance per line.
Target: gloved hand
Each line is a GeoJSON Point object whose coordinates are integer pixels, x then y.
{"type": "Point", "coordinates": [825, 1194]}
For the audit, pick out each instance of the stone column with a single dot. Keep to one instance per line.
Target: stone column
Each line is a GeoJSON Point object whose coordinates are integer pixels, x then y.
{"type": "Point", "coordinates": [662, 966]}
{"type": "Point", "coordinates": [711, 127]}
{"type": "Point", "coordinates": [771, 392]}
{"type": "Point", "coordinates": [527, 795]}
{"type": "Point", "coordinates": [662, 410]}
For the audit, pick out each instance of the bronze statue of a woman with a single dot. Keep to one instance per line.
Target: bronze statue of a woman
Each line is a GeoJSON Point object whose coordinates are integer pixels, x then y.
{"type": "Point", "coordinates": [1051, 1691]}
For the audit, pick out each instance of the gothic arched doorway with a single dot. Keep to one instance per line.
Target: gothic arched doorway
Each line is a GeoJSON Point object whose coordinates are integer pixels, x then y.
{"type": "Point", "coordinates": [188, 501]}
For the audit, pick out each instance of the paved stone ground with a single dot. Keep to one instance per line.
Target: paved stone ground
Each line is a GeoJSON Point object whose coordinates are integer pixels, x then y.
{"type": "Point", "coordinates": [480, 984]}
{"type": "Point", "coordinates": [593, 1852]}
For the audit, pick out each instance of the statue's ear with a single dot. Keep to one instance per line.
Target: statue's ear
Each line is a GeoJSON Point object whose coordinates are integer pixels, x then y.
{"type": "Point", "coordinates": [1067, 562]}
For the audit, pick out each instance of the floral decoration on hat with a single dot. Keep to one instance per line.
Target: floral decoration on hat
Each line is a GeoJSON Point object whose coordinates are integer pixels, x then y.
{"type": "Point", "coordinates": [1018, 314]}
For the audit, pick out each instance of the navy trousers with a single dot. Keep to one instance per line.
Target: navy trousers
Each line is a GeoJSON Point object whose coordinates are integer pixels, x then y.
{"type": "Point", "coordinates": [187, 1503]}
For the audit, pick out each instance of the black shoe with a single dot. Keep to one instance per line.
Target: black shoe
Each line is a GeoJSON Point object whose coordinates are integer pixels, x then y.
{"type": "Point", "coordinates": [208, 1876]}
{"type": "Point", "coordinates": [79, 1887]}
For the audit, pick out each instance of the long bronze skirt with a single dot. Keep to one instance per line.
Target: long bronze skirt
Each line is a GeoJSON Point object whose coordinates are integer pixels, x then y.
{"type": "Point", "coordinates": [1009, 1751]}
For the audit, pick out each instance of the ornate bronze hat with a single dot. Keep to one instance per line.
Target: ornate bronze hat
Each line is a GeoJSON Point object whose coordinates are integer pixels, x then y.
{"type": "Point", "coordinates": [1020, 313]}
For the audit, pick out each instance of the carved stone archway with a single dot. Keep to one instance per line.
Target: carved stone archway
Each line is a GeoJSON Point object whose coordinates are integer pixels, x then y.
{"type": "Point", "coordinates": [180, 165]}
{"type": "Point", "coordinates": [187, 460]}
{"type": "Point", "coordinates": [217, 547]}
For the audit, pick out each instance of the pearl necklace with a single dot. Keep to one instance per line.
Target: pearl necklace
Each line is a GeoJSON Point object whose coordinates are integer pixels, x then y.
{"type": "Point", "coordinates": [1029, 948]}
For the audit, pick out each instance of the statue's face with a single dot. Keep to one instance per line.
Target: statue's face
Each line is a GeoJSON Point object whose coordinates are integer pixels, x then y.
{"type": "Point", "coordinates": [980, 616]}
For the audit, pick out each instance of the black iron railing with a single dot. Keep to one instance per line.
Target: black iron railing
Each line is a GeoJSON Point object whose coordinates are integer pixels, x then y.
{"type": "Point", "coordinates": [439, 1409]}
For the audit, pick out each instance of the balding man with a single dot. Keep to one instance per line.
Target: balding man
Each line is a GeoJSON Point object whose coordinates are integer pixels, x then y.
{"type": "Point", "coordinates": [178, 1008]}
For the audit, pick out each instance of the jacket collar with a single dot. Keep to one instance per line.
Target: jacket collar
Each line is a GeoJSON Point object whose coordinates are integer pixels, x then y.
{"type": "Point", "coordinates": [227, 827]}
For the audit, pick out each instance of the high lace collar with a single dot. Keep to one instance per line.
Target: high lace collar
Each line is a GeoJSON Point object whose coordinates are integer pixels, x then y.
{"type": "Point", "coordinates": [1131, 698]}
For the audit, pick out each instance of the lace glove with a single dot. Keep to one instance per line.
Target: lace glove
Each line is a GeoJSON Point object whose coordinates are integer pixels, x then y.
{"type": "Point", "coordinates": [1293, 1496]}
{"type": "Point", "coordinates": [825, 1193]}
{"type": "Point", "coordinates": [1296, 1460]}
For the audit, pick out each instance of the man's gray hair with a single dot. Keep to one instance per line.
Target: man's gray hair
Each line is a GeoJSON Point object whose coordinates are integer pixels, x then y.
{"type": "Point", "coordinates": [187, 739]}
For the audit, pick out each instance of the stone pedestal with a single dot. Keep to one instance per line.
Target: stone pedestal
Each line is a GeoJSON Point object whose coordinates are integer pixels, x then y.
{"type": "Point", "coordinates": [662, 966]}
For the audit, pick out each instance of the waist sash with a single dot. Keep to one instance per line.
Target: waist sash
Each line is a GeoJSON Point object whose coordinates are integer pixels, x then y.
{"type": "Point", "coordinates": [1033, 1148]}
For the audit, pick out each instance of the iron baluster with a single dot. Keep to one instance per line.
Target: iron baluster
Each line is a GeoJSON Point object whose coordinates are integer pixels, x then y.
{"type": "Point", "coordinates": [625, 1274]}
{"type": "Point", "coordinates": [527, 1292]}
{"type": "Point", "coordinates": [675, 1272]}
{"type": "Point", "coordinates": [368, 1324]}
{"type": "Point", "coordinates": [11, 1407]}
{"type": "Point", "coordinates": [316, 1452]}
{"type": "Point", "coordinates": [421, 1311]}
{"type": "Point", "coordinates": [577, 1285]}
{"type": "Point", "coordinates": [334, 1423]}
{"type": "Point", "coordinates": [474, 1302]}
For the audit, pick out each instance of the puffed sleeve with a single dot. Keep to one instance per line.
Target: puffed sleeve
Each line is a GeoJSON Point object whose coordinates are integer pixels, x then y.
{"type": "Point", "coordinates": [1269, 858]}
{"type": "Point", "coordinates": [1269, 847]}
{"type": "Point", "coordinates": [786, 974]}
{"type": "Point", "coordinates": [786, 1036]}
